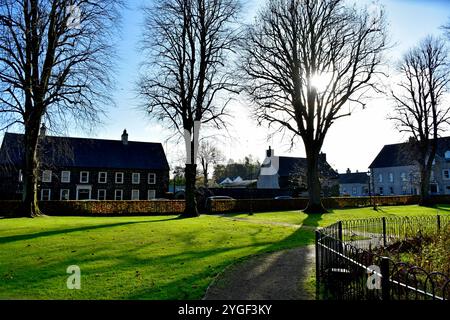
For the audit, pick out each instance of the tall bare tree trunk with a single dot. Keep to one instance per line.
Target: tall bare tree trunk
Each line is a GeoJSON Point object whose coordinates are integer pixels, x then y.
{"type": "Point", "coordinates": [30, 207]}
{"type": "Point", "coordinates": [191, 203]}
{"type": "Point", "coordinates": [314, 188]}
{"type": "Point", "coordinates": [424, 187]}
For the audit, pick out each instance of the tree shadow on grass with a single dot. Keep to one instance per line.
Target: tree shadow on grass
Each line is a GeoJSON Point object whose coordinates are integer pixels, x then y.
{"type": "Point", "coordinates": [21, 237]}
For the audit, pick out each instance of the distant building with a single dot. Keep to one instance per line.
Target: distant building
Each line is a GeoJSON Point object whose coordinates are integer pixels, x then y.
{"type": "Point", "coordinates": [86, 169]}
{"type": "Point", "coordinates": [395, 170]}
{"type": "Point", "coordinates": [290, 173]}
{"type": "Point", "coordinates": [354, 184]}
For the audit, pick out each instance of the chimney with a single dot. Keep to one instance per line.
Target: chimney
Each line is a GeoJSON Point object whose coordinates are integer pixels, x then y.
{"type": "Point", "coordinates": [42, 131]}
{"type": "Point", "coordinates": [348, 170]}
{"type": "Point", "coordinates": [270, 152]}
{"type": "Point", "coordinates": [125, 137]}
{"type": "Point", "coordinates": [322, 157]}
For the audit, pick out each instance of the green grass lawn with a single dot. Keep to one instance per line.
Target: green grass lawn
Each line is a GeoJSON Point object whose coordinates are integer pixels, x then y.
{"type": "Point", "coordinates": [322, 220]}
{"type": "Point", "coordinates": [128, 257]}
{"type": "Point", "coordinates": [146, 257]}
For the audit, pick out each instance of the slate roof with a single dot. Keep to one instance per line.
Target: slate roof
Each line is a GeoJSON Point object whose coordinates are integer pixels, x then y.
{"type": "Point", "coordinates": [353, 177]}
{"type": "Point", "coordinates": [402, 154]}
{"type": "Point", "coordinates": [289, 165]}
{"type": "Point", "coordinates": [87, 153]}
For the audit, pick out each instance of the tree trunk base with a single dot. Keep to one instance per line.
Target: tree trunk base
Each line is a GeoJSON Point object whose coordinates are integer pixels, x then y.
{"type": "Point", "coordinates": [315, 209]}
{"type": "Point", "coordinates": [426, 202]}
{"type": "Point", "coordinates": [30, 211]}
{"type": "Point", "coordinates": [189, 214]}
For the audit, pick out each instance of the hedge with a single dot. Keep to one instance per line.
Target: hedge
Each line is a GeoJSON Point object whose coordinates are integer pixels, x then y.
{"type": "Point", "coordinates": [168, 207]}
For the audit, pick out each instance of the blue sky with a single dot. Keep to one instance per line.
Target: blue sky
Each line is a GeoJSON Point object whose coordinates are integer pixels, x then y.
{"type": "Point", "coordinates": [352, 142]}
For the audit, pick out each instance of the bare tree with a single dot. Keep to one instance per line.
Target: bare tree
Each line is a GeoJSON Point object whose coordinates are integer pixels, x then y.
{"type": "Point", "coordinates": [189, 42]}
{"type": "Point", "coordinates": [209, 154]}
{"type": "Point", "coordinates": [425, 78]}
{"type": "Point", "coordinates": [55, 61]}
{"type": "Point", "coordinates": [303, 61]}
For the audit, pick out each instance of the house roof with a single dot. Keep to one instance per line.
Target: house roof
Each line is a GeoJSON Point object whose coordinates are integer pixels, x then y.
{"type": "Point", "coordinates": [87, 153]}
{"type": "Point", "coordinates": [402, 154]}
{"type": "Point", "coordinates": [353, 177]}
{"type": "Point", "coordinates": [290, 165]}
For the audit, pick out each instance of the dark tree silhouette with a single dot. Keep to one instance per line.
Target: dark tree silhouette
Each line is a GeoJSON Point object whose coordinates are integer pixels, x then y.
{"type": "Point", "coordinates": [188, 43]}
{"type": "Point", "coordinates": [425, 77]}
{"type": "Point", "coordinates": [55, 61]}
{"type": "Point", "coordinates": [303, 61]}
{"type": "Point", "coordinates": [208, 155]}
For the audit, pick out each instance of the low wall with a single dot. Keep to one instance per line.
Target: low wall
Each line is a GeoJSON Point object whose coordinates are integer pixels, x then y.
{"type": "Point", "coordinates": [99, 208]}
{"type": "Point", "coordinates": [168, 207]}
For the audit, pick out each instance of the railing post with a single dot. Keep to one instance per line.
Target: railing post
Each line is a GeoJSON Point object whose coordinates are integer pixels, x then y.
{"type": "Point", "coordinates": [439, 223]}
{"type": "Point", "coordinates": [384, 231]}
{"type": "Point", "coordinates": [340, 231]}
{"type": "Point", "coordinates": [385, 283]}
{"type": "Point", "coordinates": [318, 266]}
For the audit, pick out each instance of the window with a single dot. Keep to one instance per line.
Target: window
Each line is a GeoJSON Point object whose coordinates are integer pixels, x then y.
{"type": "Point", "coordinates": [354, 190]}
{"type": "Point", "coordinates": [380, 178]}
{"type": "Point", "coordinates": [446, 174]}
{"type": "Point", "coordinates": [134, 194]}
{"type": "Point", "coordinates": [84, 177]}
{"type": "Point", "coordinates": [391, 190]}
{"type": "Point", "coordinates": [151, 178]}
{"type": "Point", "coordinates": [64, 195]}
{"type": "Point", "coordinates": [403, 176]}
{"type": "Point", "coordinates": [381, 190]}
{"type": "Point", "coordinates": [434, 188]}
{"type": "Point", "coordinates": [65, 176]}
{"type": "Point", "coordinates": [102, 176]}
{"type": "Point", "coordinates": [118, 195]}
{"type": "Point", "coordinates": [447, 155]}
{"type": "Point", "coordinates": [136, 178]}
{"type": "Point", "coordinates": [45, 194]}
{"type": "Point", "coordinates": [391, 177]}
{"type": "Point", "coordinates": [119, 177]}
{"type": "Point", "coordinates": [47, 176]}
{"type": "Point", "coordinates": [151, 194]}
{"type": "Point", "coordinates": [20, 176]}
{"type": "Point", "coordinates": [432, 175]}
{"type": "Point", "coordinates": [101, 194]}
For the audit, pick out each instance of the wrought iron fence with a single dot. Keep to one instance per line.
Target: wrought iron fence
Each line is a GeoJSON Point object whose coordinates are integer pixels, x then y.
{"type": "Point", "coordinates": [349, 265]}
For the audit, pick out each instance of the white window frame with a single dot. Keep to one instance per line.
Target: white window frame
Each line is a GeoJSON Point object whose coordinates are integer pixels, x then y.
{"type": "Point", "coordinates": [354, 190]}
{"type": "Point", "coordinates": [121, 195]}
{"type": "Point", "coordinates": [49, 172]}
{"type": "Point", "coordinates": [404, 176]}
{"type": "Point", "coordinates": [62, 176]}
{"type": "Point", "coordinates": [106, 177]}
{"type": "Point", "coordinates": [132, 194]}
{"type": "Point", "coordinates": [448, 174]}
{"type": "Point", "coordinates": [380, 178]}
{"type": "Point", "coordinates": [61, 194]}
{"type": "Point", "coordinates": [84, 187]}
{"type": "Point", "coordinates": [117, 175]}
{"type": "Point", "coordinates": [49, 194]}
{"type": "Point", "coordinates": [153, 176]}
{"type": "Point", "coordinates": [20, 175]}
{"type": "Point", "coordinates": [134, 174]}
{"type": "Point", "coordinates": [81, 177]}
{"type": "Point", "coordinates": [151, 191]}
{"type": "Point", "coordinates": [98, 194]}
{"type": "Point", "coordinates": [391, 177]}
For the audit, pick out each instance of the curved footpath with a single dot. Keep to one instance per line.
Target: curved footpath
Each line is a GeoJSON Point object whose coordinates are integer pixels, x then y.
{"type": "Point", "coordinates": [280, 275]}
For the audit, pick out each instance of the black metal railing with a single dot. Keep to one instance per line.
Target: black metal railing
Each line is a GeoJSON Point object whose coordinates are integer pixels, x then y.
{"type": "Point", "coordinates": [349, 265]}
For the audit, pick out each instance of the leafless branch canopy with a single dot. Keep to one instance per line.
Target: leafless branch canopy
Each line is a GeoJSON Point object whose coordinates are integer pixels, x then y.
{"type": "Point", "coordinates": [304, 60]}
{"type": "Point", "coordinates": [55, 62]}
{"type": "Point", "coordinates": [418, 96]}
{"type": "Point", "coordinates": [188, 43]}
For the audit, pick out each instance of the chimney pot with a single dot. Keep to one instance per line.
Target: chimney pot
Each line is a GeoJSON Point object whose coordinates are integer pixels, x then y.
{"type": "Point", "coordinates": [270, 152]}
{"type": "Point", "coordinates": [348, 170]}
{"type": "Point", "coordinates": [125, 137]}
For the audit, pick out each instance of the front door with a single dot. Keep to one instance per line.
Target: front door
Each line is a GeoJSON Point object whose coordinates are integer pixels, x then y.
{"type": "Point", "coordinates": [83, 193]}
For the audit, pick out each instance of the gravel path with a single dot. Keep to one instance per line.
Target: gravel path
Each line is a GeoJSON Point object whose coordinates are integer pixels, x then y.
{"type": "Point", "coordinates": [274, 276]}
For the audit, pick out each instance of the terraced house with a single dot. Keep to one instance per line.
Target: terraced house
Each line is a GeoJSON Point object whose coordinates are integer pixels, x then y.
{"type": "Point", "coordinates": [86, 169]}
{"type": "Point", "coordinates": [395, 171]}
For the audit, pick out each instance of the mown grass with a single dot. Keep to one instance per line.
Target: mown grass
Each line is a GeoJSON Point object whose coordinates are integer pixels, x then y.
{"type": "Point", "coordinates": [128, 257]}
{"type": "Point", "coordinates": [320, 220]}
{"type": "Point", "coordinates": [147, 257]}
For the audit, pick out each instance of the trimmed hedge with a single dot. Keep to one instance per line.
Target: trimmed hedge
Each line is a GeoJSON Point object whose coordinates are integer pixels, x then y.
{"type": "Point", "coordinates": [168, 207]}
{"type": "Point", "coordinates": [99, 208]}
